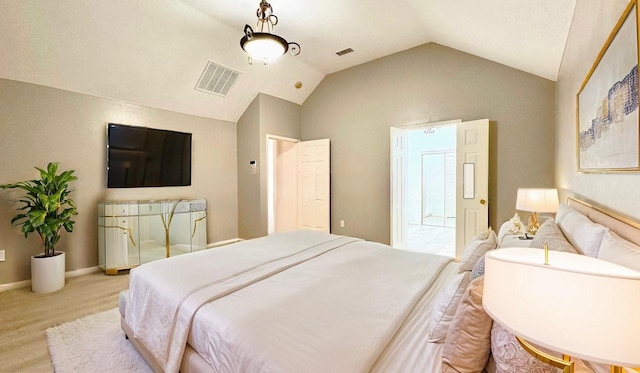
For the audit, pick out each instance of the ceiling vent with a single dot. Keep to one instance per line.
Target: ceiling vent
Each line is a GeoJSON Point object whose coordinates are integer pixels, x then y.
{"type": "Point", "coordinates": [344, 51]}
{"type": "Point", "coordinates": [217, 79]}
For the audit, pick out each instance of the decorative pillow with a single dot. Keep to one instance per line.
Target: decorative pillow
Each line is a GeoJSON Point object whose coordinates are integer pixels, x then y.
{"type": "Point", "coordinates": [478, 270]}
{"type": "Point", "coordinates": [550, 233]}
{"type": "Point", "coordinates": [616, 249]}
{"type": "Point", "coordinates": [510, 357]}
{"type": "Point", "coordinates": [476, 248]}
{"type": "Point", "coordinates": [445, 306]}
{"type": "Point", "coordinates": [583, 234]}
{"type": "Point", "coordinates": [467, 345]}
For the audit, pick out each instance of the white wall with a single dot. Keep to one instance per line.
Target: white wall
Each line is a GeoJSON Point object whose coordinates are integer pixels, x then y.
{"type": "Point", "coordinates": [593, 22]}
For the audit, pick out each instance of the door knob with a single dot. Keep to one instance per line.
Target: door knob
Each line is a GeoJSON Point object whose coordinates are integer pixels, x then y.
{"type": "Point", "coordinates": [483, 202]}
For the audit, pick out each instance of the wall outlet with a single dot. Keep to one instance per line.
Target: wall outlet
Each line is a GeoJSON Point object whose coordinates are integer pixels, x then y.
{"type": "Point", "coordinates": [2, 256]}
{"type": "Point", "coordinates": [341, 223]}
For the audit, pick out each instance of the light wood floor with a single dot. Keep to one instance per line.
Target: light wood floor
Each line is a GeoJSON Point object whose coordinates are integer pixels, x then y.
{"type": "Point", "coordinates": [430, 239]}
{"type": "Point", "coordinates": [24, 317]}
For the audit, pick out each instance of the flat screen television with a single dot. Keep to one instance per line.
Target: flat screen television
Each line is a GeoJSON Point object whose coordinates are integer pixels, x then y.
{"type": "Point", "coordinates": [147, 157]}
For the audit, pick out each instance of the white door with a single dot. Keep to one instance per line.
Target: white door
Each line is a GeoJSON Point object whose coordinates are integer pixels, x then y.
{"type": "Point", "coordinates": [314, 185]}
{"type": "Point", "coordinates": [472, 188]}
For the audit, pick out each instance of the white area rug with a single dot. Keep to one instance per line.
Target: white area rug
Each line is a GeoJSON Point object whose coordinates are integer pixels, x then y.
{"type": "Point", "coordinates": [94, 343]}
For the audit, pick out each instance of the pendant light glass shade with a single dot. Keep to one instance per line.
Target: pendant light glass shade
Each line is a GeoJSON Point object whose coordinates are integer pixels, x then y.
{"type": "Point", "coordinates": [264, 46]}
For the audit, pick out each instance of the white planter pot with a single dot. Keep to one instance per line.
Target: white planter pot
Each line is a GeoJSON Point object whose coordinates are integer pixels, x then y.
{"type": "Point", "coordinates": [47, 274]}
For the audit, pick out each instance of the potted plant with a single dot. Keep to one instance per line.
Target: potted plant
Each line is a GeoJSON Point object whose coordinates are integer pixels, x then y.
{"type": "Point", "coordinates": [46, 209]}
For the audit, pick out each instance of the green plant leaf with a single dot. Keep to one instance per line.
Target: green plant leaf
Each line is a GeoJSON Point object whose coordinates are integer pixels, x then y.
{"type": "Point", "coordinates": [36, 217]}
{"type": "Point", "coordinates": [45, 207]}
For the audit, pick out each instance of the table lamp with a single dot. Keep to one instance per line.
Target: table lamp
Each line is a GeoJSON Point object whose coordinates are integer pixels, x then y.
{"type": "Point", "coordinates": [536, 200]}
{"type": "Point", "coordinates": [576, 305]}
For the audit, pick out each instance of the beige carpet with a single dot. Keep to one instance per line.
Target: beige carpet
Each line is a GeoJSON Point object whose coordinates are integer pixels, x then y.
{"type": "Point", "coordinates": [94, 343]}
{"type": "Point", "coordinates": [24, 317]}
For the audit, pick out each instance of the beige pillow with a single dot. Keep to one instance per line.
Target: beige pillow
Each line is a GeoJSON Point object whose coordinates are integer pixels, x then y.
{"type": "Point", "coordinates": [550, 233]}
{"type": "Point", "coordinates": [468, 343]}
{"type": "Point", "coordinates": [510, 357]}
{"type": "Point", "coordinates": [476, 248]}
{"type": "Point", "coordinates": [445, 306]}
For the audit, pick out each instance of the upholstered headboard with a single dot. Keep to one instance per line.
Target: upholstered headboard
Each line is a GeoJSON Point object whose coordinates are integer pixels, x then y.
{"type": "Point", "coordinates": [624, 227]}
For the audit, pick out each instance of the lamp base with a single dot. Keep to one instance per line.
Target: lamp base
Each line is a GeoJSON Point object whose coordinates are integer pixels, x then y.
{"type": "Point", "coordinates": [534, 224]}
{"type": "Point", "coordinates": [564, 364]}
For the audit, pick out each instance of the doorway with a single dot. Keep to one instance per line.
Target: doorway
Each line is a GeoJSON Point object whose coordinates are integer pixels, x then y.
{"type": "Point", "coordinates": [426, 189]}
{"type": "Point", "coordinates": [282, 186]}
{"type": "Point", "coordinates": [431, 189]}
{"type": "Point", "coordinates": [298, 184]}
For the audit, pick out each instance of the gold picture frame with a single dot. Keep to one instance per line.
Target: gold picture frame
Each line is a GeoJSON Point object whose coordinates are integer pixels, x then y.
{"type": "Point", "coordinates": [607, 120]}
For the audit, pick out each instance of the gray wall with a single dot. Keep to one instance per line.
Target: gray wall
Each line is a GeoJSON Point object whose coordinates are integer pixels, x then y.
{"type": "Point", "coordinates": [41, 124]}
{"type": "Point", "coordinates": [248, 134]}
{"type": "Point", "coordinates": [267, 115]}
{"type": "Point", "coordinates": [356, 107]}
{"type": "Point", "coordinates": [592, 23]}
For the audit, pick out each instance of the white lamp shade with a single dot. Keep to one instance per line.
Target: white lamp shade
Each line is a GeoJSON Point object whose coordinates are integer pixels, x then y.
{"type": "Point", "coordinates": [537, 200]}
{"type": "Point", "coordinates": [264, 49]}
{"type": "Point", "coordinates": [577, 305]}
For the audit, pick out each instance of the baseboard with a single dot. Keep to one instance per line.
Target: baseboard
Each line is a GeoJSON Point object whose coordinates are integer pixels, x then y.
{"type": "Point", "coordinates": [81, 271]}
{"type": "Point", "coordinates": [25, 283]}
{"type": "Point", "coordinates": [14, 285]}
{"type": "Point", "coordinates": [225, 242]}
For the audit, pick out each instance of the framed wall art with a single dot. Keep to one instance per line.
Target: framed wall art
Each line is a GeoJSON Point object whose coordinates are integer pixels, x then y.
{"type": "Point", "coordinates": [608, 127]}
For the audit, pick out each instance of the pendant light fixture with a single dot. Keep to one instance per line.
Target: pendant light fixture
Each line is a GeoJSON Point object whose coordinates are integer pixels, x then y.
{"type": "Point", "coordinates": [262, 44]}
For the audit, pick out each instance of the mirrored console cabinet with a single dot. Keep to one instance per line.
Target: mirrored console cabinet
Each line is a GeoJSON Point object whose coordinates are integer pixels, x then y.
{"type": "Point", "coordinates": [131, 233]}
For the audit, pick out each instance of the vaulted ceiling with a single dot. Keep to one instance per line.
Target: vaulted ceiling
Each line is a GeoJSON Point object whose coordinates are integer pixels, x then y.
{"type": "Point", "coordinates": [153, 52]}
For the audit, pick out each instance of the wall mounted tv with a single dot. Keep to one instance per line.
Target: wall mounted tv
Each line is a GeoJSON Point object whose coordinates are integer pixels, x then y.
{"type": "Point", "coordinates": [147, 157]}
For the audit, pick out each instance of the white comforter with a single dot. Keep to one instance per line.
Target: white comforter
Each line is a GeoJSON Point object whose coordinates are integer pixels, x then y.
{"type": "Point", "coordinates": [302, 301]}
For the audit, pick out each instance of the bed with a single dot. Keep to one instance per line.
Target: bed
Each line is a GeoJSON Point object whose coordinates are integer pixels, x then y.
{"type": "Point", "coordinates": [316, 302]}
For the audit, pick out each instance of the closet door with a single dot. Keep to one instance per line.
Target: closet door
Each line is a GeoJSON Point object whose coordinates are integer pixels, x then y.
{"type": "Point", "coordinates": [314, 185]}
